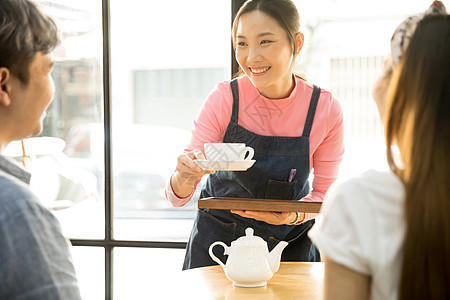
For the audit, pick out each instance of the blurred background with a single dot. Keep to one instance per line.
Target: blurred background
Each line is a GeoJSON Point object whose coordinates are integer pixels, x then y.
{"type": "Point", "coordinates": [166, 57]}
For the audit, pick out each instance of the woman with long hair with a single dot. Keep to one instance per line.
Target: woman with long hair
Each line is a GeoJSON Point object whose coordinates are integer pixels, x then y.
{"type": "Point", "coordinates": [292, 125]}
{"type": "Point", "coordinates": [386, 235]}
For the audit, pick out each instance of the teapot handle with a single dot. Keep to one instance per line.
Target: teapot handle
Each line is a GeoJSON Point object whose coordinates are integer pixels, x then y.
{"type": "Point", "coordinates": [217, 260]}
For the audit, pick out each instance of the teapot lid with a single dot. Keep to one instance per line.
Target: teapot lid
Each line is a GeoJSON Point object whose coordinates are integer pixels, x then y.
{"type": "Point", "coordinates": [249, 239]}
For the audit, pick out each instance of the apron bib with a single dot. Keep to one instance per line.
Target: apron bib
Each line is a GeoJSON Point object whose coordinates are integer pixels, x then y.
{"type": "Point", "coordinates": [267, 179]}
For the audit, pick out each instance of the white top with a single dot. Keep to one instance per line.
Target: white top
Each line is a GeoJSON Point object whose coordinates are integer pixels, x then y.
{"type": "Point", "coordinates": [362, 228]}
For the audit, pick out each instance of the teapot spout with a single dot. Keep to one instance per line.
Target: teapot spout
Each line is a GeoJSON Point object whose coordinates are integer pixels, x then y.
{"type": "Point", "coordinates": [275, 256]}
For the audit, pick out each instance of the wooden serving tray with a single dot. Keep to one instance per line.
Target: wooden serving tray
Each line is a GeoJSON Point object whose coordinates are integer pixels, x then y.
{"type": "Point", "coordinates": [259, 204]}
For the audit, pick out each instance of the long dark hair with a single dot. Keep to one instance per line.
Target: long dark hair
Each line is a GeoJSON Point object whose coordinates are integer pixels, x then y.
{"type": "Point", "coordinates": [418, 122]}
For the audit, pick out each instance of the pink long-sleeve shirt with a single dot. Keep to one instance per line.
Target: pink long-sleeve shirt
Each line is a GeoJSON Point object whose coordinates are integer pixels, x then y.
{"type": "Point", "coordinates": [275, 117]}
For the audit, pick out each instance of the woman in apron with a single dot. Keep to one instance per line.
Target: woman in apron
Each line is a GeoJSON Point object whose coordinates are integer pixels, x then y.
{"type": "Point", "coordinates": [292, 125]}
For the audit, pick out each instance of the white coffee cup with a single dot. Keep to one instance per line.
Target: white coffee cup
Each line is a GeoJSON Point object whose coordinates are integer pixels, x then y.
{"type": "Point", "coordinates": [228, 152]}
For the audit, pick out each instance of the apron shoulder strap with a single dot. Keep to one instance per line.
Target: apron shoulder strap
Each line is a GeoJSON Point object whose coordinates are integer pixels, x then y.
{"type": "Point", "coordinates": [311, 111]}
{"type": "Point", "coordinates": [235, 92]}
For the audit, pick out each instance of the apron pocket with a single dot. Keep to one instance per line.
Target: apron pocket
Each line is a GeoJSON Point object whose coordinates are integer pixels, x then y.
{"type": "Point", "coordinates": [281, 190]}
{"type": "Point", "coordinates": [207, 230]}
{"type": "Point", "coordinates": [212, 229]}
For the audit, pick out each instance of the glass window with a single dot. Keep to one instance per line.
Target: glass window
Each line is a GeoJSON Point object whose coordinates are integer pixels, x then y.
{"type": "Point", "coordinates": [67, 175]}
{"type": "Point", "coordinates": [89, 263]}
{"type": "Point", "coordinates": [346, 42]}
{"type": "Point", "coordinates": [166, 57]}
{"type": "Point", "coordinates": [138, 270]}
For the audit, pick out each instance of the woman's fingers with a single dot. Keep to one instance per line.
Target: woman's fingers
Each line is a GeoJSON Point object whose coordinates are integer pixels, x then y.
{"type": "Point", "coordinates": [275, 218]}
{"type": "Point", "coordinates": [187, 167]}
{"type": "Point", "coordinates": [196, 154]}
{"type": "Point", "coordinates": [186, 161]}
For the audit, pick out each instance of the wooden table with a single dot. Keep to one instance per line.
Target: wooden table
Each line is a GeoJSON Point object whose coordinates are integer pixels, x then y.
{"type": "Point", "coordinates": [294, 280]}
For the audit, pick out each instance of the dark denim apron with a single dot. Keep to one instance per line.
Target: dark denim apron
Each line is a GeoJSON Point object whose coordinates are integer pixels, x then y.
{"type": "Point", "coordinates": [268, 179]}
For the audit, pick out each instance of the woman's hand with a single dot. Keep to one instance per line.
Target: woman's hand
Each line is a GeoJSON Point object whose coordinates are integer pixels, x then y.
{"type": "Point", "coordinates": [187, 173]}
{"type": "Point", "coordinates": [274, 218]}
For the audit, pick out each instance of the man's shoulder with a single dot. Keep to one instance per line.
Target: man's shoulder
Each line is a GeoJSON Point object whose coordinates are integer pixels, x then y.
{"type": "Point", "coordinates": [15, 196]}
{"type": "Point", "coordinates": [33, 246]}
{"type": "Point", "coordinates": [13, 184]}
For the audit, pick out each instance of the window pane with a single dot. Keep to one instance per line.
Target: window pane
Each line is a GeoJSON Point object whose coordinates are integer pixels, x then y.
{"type": "Point", "coordinates": [66, 160]}
{"type": "Point", "coordinates": [345, 45]}
{"type": "Point", "coordinates": [89, 265]}
{"type": "Point", "coordinates": [166, 58]}
{"type": "Point", "coordinates": [138, 271]}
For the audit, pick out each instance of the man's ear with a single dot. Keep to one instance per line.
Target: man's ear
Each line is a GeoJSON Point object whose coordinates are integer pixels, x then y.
{"type": "Point", "coordinates": [5, 77]}
{"type": "Point", "coordinates": [300, 38]}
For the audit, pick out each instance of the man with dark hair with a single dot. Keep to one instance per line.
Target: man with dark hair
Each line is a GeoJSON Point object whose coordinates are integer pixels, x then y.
{"type": "Point", "coordinates": [35, 261]}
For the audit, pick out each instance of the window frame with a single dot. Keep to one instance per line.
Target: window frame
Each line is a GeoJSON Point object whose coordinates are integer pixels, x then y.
{"type": "Point", "coordinates": [109, 243]}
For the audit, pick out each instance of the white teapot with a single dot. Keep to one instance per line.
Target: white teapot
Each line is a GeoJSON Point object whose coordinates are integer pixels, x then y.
{"type": "Point", "coordinates": [249, 262]}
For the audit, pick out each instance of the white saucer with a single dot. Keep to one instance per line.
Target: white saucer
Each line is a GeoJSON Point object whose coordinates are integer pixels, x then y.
{"type": "Point", "coordinates": [234, 165]}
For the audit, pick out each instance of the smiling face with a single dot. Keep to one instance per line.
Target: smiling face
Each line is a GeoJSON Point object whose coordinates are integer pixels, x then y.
{"type": "Point", "coordinates": [265, 54]}
{"type": "Point", "coordinates": [29, 101]}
